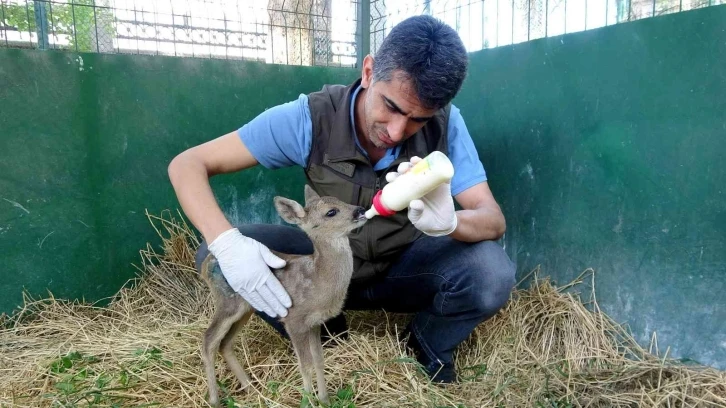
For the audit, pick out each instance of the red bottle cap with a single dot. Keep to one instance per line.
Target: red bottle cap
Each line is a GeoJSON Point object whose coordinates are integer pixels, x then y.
{"type": "Point", "coordinates": [378, 205]}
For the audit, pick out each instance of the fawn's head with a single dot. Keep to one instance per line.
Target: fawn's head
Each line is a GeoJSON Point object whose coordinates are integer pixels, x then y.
{"type": "Point", "coordinates": [326, 216]}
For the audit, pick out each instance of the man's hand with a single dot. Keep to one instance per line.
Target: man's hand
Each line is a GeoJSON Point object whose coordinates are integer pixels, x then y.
{"type": "Point", "coordinates": [246, 264]}
{"type": "Point", "coordinates": [433, 214]}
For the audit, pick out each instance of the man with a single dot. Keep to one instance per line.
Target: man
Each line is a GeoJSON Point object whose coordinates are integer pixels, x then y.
{"type": "Point", "coordinates": [441, 264]}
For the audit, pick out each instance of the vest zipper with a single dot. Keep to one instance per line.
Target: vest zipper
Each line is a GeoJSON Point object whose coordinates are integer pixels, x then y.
{"type": "Point", "coordinates": [369, 242]}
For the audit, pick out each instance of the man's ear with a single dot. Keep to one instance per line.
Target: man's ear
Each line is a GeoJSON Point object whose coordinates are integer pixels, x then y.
{"type": "Point", "coordinates": [310, 194]}
{"type": "Point", "coordinates": [289, 210]}
{"type": "Point", "coordinates": [367, 72]}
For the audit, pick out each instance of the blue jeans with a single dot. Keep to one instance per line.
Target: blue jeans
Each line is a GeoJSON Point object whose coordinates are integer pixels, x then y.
{"type": "Point", "coordinates": [450, 286]}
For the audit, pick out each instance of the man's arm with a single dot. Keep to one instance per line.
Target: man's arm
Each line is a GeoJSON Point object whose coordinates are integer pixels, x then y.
{"type": "Point", "coordinates": [190, 171]}
{"type": "Point", "coordinates": [480, 218]}
{"type": "Point", "coordinates": [276, 138]}
{"type": "Point", "coordinates": [245, 263]}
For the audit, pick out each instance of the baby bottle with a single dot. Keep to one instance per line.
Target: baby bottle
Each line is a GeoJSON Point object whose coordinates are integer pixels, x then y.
{"type": "Point", "coordinates": [426, 175]}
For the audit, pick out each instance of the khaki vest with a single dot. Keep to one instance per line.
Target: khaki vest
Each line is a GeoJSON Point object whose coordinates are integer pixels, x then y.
{"type": "Point", "coordinates": [336, 167]}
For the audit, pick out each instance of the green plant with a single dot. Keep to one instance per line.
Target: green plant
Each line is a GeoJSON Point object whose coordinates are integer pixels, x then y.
{"type": "Point", "coordinates": [77, 382]}
{"type": "Point", "coordinates": [83, 21]}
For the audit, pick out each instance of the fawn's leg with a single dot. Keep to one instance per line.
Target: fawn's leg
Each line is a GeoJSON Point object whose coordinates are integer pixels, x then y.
{"type": "Point", "coordinates": [305, 360]}
{"type": "Point", "coordinates": [227, 349]}
{"type": "Point", "coordinates": [225, 316]}
{"type": "Point", "coordinates": [316, 350]}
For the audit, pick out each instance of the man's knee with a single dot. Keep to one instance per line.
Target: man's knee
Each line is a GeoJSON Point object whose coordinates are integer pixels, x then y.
{"type": "Point", "coordinates": [281, 238]}
{"type": "Point", "coordinates": [200, 255]}
{"type": "Point", "coordinates": [487, 277]}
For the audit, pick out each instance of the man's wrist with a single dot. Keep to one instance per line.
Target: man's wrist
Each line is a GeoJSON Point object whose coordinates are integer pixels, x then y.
{"type": "Point", "coordinates": [222, 241]}
{"type": "Point", "coordinates": [212, 228]}
{"type": "Point", "coordinates": [452, 228]}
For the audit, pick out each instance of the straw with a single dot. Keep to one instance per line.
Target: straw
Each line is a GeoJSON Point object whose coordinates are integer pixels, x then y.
{"type": "Point", "coordinates": [546, 348]}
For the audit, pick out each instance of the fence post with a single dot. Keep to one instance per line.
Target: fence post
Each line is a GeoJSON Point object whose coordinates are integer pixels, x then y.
{"type": "Point", "coordinates": [364, 30]}
{"type": "Point", "coordinates": [41, 24]}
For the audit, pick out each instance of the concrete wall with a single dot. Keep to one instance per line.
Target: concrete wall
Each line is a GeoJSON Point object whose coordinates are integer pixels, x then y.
{"type": "Point", "coordinates": [85, 140]}
{"type": "Point", "coordinates": [604, 149]}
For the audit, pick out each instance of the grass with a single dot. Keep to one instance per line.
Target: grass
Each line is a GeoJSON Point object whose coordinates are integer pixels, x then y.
{"type": "Point", "coordinates": [546, 348]}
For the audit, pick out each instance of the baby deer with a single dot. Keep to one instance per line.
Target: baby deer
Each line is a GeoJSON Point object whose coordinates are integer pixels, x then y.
{"type": "Point", "coordinates": [317, 284]}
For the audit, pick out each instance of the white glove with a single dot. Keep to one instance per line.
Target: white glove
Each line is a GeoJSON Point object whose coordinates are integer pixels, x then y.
{"type": "Point", "coordinates": [433, 214]}
{"type": "Point", "coordinates": [245, 264]}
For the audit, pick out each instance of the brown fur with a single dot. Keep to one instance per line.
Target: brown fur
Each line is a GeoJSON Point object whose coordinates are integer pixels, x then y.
{"type": "Point", "coordinates": [316, 283]}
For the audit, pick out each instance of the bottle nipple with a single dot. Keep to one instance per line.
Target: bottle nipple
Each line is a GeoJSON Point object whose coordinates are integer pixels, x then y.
{"type": "Point", "coordinates": [378, 207]}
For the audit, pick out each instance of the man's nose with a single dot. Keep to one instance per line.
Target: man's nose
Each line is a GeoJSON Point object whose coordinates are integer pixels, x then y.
{"type": "Point", "coordinates": [397, 127]}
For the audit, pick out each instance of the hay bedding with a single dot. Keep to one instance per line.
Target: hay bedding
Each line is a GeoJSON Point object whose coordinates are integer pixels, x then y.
{"type": "Point", "coordinates": [544, 349]}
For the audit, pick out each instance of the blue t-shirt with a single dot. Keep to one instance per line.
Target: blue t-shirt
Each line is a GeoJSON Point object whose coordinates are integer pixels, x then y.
{"type": "Point", "coordinates": [282, 136]}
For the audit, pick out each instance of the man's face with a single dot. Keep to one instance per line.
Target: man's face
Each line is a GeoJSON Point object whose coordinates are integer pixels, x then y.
{"type": "Point", "coordinates": [392, 110]}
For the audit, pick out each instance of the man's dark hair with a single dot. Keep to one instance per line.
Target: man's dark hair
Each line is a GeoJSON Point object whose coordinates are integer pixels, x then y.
{"type": "Point", "coordinates": [430, 54]}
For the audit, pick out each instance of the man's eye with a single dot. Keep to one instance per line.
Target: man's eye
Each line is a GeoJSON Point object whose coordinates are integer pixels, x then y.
{"type": "Point", "coordinates": [331, 213]}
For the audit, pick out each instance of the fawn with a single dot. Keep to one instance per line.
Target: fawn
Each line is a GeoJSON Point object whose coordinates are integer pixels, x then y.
{"type": "Point", "coordinates": [317, 284]}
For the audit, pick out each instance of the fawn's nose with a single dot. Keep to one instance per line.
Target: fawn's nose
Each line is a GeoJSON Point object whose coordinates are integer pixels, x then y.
{"type": "Point", "coordinates": [359, 212]}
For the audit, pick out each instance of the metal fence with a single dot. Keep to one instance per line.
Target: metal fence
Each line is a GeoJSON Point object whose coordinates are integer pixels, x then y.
{"type": "Point", "coordinates": [298, 32]}
{"type": "Point", "coordinates": [493, 23]}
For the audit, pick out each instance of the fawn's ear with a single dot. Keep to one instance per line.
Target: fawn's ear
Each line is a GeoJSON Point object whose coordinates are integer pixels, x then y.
{"type": "Point", "coordinates": [289, 210]}
{"type": "Point", "coordinates": [310, 194]}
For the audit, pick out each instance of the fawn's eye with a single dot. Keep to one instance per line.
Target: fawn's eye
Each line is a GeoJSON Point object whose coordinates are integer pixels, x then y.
{"type": "Point", "coordinates": [331, 213]}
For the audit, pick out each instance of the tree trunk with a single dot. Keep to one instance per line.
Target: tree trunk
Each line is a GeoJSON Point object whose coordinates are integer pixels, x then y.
{"type": "Point", "coordinates": [103, 31]}
{"type": "Point", "coordinates": [300, 31]}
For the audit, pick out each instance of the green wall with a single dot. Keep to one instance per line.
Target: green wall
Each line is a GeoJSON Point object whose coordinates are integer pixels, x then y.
{"type": "Point", "coordinates": [603, 148]}
{"type": "Point", "coordinates": [84, 150]}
